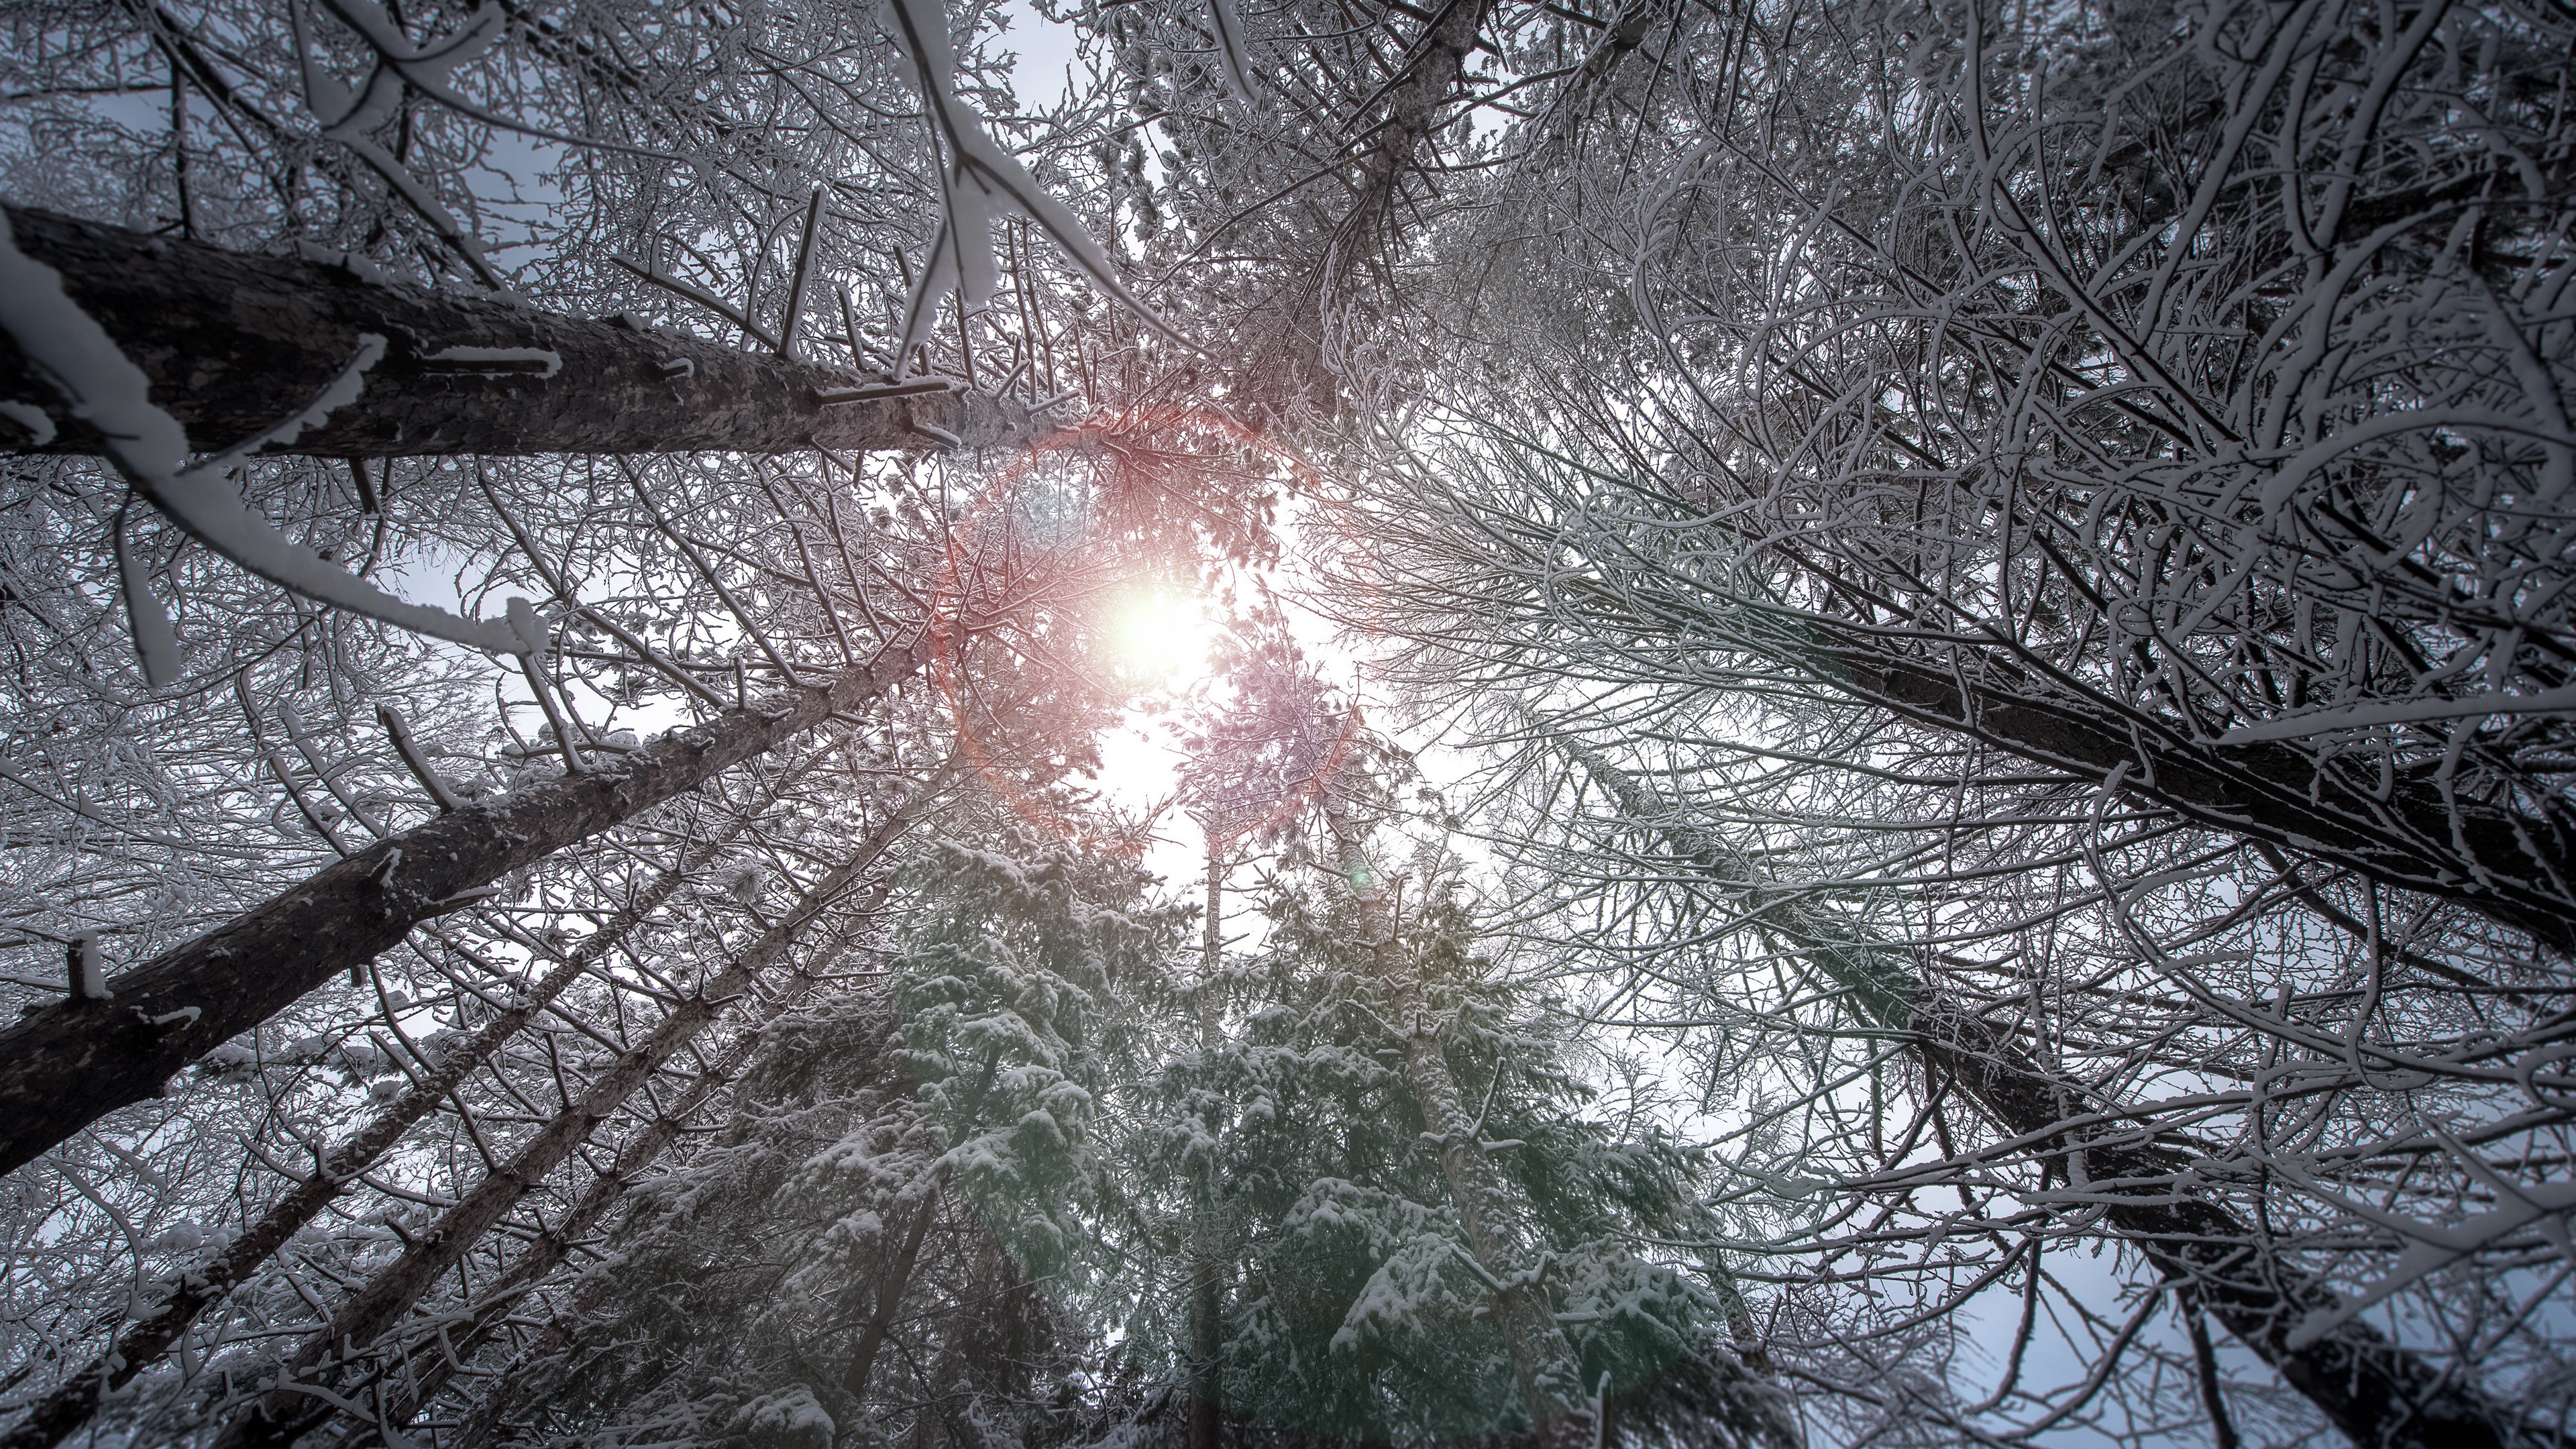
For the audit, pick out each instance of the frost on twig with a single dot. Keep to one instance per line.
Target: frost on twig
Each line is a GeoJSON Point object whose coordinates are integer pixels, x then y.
{"type": "Point", "coordinates": [428, 67]}
{"type": "Point", "coordinates": [702, 297]}
{"type": "Point", "coordinates": [430, 780]}
{"type": "Point", "coordinates": [1229, 47]}
{"type": "Point", "coordinates": [804, 278]}
{"type": "Point", "coordinates": [981, 183]}
{"type": "Point", "coordinates": [154, 638]}
{"type": "Point", "coordinates": [347, 117]}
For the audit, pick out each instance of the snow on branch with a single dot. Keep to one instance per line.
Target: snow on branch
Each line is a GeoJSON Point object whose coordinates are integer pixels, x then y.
{"type": "Point", "coordinates": [104, 388]}
{"type": "Point", "coordinates": [428, 67]}
{"type": "Point", "coordinates": [980, 184]}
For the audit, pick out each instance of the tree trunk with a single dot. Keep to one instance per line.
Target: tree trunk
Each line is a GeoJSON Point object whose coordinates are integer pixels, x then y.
{"type": "Point", "coordinates": [283, 1415]}
{"type": "Point", "coordinates": [235, 344]}
{"type": "Point", "coordinates": [1414, 102]}
{"type": "Point", "coordinates": [403, 1395]}
{"type": "Point", "coordinates": [515, 1389]}
{"type": "Point", "coordinates": [423, 1378]}
{"type": "Point", "coordinates": [2515, 869]}
{"type": "Point", "coordinates": [69, 1063]}
{"type": "Point", "coordinates": [2380, 1394]}
{"type": "Point", "coordinates": [640, 1151]}
{"type": "Point", "coordinates": [898, 1277]}
{"type": "Point", "coordinates": [76, 1398]}
{"type": "Point", "coordinates": [1207, 1269]}
{"type": "Point", "coordinates": [1543, 1362]}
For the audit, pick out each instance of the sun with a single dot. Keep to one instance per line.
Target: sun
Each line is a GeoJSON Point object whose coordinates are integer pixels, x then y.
{"type": "Point", "coordinates": [1161, 635]}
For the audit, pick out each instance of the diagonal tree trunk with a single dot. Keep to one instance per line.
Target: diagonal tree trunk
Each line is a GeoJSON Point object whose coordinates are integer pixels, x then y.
{"type": "Point", "coordinates": [138, 1347]}
{"type": "Point", "coordinates": [73, 1401]}
{"type": "Point", "coordinates": [236, 344]}
{"type": "Point", "coordinates": [67, 1064]}
{"type": "Point", "coordinates": [283, 1414]}
{"type": "Point", "coordinates": [422, 1379]}
{"type": "Point", "coordinates": [514, 1390]}
{"type": "Point", "coordinates": [2516, 869]}
{"type": "Point", "coordinates": [2379, 1393]}
{"type": "Point", "coordinates": [519, 1385]}
{"type": "Point", "coordinates": [2515, 866]}
{"type": "Point", "coordinates": [898, 1277]}
{"type": "Point", "coordinates": [400, 1397]}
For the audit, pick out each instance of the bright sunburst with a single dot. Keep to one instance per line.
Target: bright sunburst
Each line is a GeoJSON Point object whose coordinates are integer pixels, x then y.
{"type": "Point", "coordinates": [1161, 635]}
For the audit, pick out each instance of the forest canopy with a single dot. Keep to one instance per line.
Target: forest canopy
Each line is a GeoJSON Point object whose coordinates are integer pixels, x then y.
{"type": "Point", "coordinates": [1152, 724]}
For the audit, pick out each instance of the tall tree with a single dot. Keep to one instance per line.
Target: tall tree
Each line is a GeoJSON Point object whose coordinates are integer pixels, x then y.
{"type": "Point", "coordinates": [240, 348]}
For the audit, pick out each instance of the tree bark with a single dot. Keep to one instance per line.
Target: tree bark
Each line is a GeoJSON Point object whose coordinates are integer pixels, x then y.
{"type": "Point", "coordinates": [283, 1415]}
{"type": "Point", "coordinates": [1414, 102]}
{"type": "Point", "coordinates": [2380, 1394]}
{"type": "Point", "coordinates": [69, 1063]}
{"type": "Point", "coordinates": [898, 1277]}
{"type": "Point", "coordinates": [2517, 870]}
{"type": "Point", "coordinates": [235, 344]}
{"type": "Point", "coordinates": [423, 1378]}
{"type": "Point", "coordinates": [71, 1404]}
{"type": "Point", "coordinates": [76, 1398]}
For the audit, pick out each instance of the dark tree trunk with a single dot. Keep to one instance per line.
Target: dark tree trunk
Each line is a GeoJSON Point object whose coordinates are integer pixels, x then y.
{"type": "Point", "coordinates": [898, 1277]}
{"type": "Point", "coordinates": [421, 1377]}
{"type": "Point", "coordinates": [140, 1346]}
{"type": "Point", "coordinates": [2518, 870]}
{"type": "Point", "coordinates": [236, 344]}
{"type": "Point", "coordinates": [67, 1064]}
{"type": "Point", "coordinates": [2381, 1394]}
{"type": "Point", "coordinates": [283, 1415]}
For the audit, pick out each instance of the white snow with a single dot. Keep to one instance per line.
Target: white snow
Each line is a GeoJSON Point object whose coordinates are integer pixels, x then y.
{"type": "Point", "coordinates": [344, 389]}
{"type": "Point", "coordinates": [89, 977]}
{"type": "Point", "coordinates": [40, 428]}
{"type": "Point", "coordinates": [154, 639]}
{"type": "Point", "coordinates": [105, 389]}
{"type": "Point", "coordinates": [981, 184]}
{"type": "Point", "coordinates": [543, 362]}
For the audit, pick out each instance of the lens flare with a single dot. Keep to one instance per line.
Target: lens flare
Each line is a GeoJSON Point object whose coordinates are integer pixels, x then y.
{"type": "Point", "coordinates": [1161, 636]}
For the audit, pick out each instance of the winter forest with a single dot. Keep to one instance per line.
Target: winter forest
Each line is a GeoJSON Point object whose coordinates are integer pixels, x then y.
{"type": "Point", "coordinates": [1159, 724]}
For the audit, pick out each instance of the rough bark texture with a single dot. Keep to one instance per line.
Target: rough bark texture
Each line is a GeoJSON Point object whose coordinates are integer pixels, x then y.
{"type": "Point", "coordinates": [67, 1064]}
{"type": "Point", "coordinates": [283, 1415]}
{"type": "Point", "coordinates": [2516, 870]}
{"type": "Point", "coordinates": [2380, 1394]}
{"type": "Point", "coordinates": [235, 344]}
{"type": "Point", "coordinates": [517, 1388]}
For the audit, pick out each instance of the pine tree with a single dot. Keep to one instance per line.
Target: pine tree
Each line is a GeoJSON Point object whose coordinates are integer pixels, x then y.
{"type": "Point", "coordinates": [1366, 1253]}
